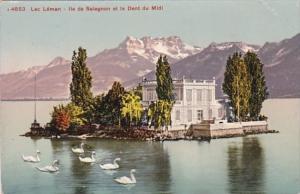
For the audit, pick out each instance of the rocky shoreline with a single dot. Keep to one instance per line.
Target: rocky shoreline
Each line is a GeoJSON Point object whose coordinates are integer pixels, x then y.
{"type": "Point", "coordinates": [117, 134]}
{"type": "Point", "coordinates": [139, 134]}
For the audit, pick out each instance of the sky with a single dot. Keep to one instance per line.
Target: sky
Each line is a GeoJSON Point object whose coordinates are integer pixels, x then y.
{"type": "Point", "coordinates": [35, 38]}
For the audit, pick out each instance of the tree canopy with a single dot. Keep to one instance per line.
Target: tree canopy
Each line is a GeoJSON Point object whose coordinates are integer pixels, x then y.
{"type": "Point", "coordinates": [165, 87]}
{"type": "Point", "coordinates": [237, 85]}
{"type": "Point", "coordinates": [61, 118]}
{"type": "Point", "coordinates": [245, 85]}
{"type": "Point", "coordinates": [131, 108]}
{"type": "Point", "coordinates": [259, 90]}
{"type": "Point", "coordinates": [67, 116]}
{"type": "Point", "coordinates": [80, 87]}
{"type": "Point", "coordinates": [160, 111]}
{"type": "Point", "coordinates": [108, 107]}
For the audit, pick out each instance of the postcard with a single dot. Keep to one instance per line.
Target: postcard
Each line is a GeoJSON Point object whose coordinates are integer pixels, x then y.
{"type": "Point", "coordinates": [192, 97]}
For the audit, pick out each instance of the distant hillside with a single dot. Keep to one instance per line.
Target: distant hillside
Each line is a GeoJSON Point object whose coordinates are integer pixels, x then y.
{"type": "Point", "coordinates": [282, 65]}
{"type": "Point", "coordinates": [130, 59]}
{"type": "Point", "coordinates": [135, 58]}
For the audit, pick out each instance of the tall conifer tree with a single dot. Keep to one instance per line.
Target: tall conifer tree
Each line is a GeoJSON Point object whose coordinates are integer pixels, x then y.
{"type": "Point", "coordinates": [237, 85]}
{"type": "Point", "coordinates": [258, 84]}
{"type": "Point", "coordinates": [80, 87]}
{"type": "Point", "coordinates": [164, 91]}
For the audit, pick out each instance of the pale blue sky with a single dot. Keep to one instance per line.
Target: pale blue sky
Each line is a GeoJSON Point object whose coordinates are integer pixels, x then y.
{"type": "Point", "coordinates": [29, 39]}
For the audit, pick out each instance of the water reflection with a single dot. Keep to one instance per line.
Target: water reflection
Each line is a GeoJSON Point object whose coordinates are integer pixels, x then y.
{"type": "Point", "coordinates": [162, 168]}
{"type": "Point", "coordinates": [151, 161]}
{"type": "Point", "coordinates": [73, 175]}
{"type": "Point", "coordinates": [110, 172]}
{"type": "Point", "coordinates": [80, 173]}
{"type": "Point", "coordinates": [195, 168]}
{"type": "Point", "coordinates": [57, 146]}
{"type": "Point", "coordinates": [80, 190]}
{"type": "Point", "coordinates": [246, 166]}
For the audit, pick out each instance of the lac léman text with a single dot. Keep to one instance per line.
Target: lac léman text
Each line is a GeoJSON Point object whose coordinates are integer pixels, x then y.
{"type": "Point", "coordinates": [35, 9]}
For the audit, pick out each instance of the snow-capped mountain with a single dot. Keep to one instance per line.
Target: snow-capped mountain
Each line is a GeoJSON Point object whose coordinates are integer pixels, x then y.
{"type": "Point", "coordinates": [135, 58]}
{"type": "Point", "coordinates": [208, 63]}
{"type": "Point", "coordinates": [150, 48]}
{"type": "Point", "coordinates": [281, 60]}
{"type": "Point", "coordinates": [57, 61]}
{"type": "Point", "coordinates": [130, 59]}
{"type": "Point", "coordinates": [244, 47]}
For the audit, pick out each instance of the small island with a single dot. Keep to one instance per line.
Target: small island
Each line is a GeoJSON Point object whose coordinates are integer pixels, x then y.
{"type": "Point", "coordinates": [162, 109]}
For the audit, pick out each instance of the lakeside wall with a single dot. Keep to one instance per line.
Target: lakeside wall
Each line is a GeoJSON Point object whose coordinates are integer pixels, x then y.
{"type": "Point", "coordinates": [219, 130]}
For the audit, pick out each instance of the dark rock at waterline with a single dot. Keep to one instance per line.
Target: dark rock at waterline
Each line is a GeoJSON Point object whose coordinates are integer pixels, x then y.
{"type": "Point", "coordinates": [139, 134]}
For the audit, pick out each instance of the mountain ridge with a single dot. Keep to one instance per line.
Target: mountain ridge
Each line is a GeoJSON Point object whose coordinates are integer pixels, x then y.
{"type": "Point", "coordinates": [132, 58]}
{"type": "Point", "coordinates": [135, 58]}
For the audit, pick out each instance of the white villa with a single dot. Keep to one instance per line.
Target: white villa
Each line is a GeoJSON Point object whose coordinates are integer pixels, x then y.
{"type": "Point", "coordinates": [195, 101]}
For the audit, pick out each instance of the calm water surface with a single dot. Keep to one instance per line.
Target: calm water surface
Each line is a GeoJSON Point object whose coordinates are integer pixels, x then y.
{"type": "Point", "coordinates": [268, 163]}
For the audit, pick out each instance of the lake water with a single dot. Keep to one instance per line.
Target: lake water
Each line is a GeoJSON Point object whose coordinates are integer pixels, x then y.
{"type": "Point", "coordinates": [268, 163]}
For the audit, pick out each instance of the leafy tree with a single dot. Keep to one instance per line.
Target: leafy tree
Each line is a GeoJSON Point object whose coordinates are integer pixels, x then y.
{"type": "Point", "coordinates": [258, 84]}
{"type": "Point", "coordinates": [159, 113]}
{"type": "Point", "coordinates": [237, 85]}
{"type": "Point", "coordinates": [151, 113]}
{"type": "Point", "coordinates": [99, 109]}
{"type": "Point", "coordinates": [76, 114]}
{"type": "Point", "coordinates": [114, 99]}
{"type": "Point", "coordinates": [65, 117]}
{"type": "Point", "coordinates": [90, 113]}
{"type": "Point", "coordinates": [108, 107]}
{"type": "Point", "coordinates": [62, 121]}
{"type": "Point", "coordinates": [61, 118]}
{"type": "Point", "coordinates": [131, 107]}
{"type": "Point", "coordinates": [80, 87]}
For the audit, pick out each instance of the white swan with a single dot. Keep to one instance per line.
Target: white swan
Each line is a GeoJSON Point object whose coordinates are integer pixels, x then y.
{"type": "Point", "coordinates": [109, 166]}
{"type": "Point", "coordinates": [50, 168]}
{"type": "Point", "coordinates": [126, 180]}
{"type": "Point", "coordinates": [88, 159]}
{"type": "Point", "coordinates": [78, 150]}
{"type": "Point", "coordinates": [32, 158]}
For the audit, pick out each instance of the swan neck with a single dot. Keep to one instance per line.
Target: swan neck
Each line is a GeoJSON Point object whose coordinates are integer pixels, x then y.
{"type": "Point", "coordinates": [132, 177]}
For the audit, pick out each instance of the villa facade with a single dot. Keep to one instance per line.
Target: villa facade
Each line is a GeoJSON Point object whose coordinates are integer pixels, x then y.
{"type": "Point", "coordinates": [195, 101]}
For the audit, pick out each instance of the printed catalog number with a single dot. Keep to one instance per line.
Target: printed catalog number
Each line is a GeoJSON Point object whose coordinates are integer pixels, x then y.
{"type": "Point", "coordinates": [16, 9]}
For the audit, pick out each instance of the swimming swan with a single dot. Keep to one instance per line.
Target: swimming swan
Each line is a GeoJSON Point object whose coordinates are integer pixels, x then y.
{"type": "Point", "coordinates": [32, 158]}
{"type": "Point", "coordinates": [88, 159]}
{"type": "Point", "coordinates": [126, 180]}
{"type": "Point", "coordinates": [78, 150]}
{"type": "Point", "coordinates": [50, 168]}
{"type": "Point", "coordinates": [109, 166]}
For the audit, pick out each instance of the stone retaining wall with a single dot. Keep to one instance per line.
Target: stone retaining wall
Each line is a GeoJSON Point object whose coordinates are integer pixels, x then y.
{"type": "Point", "coordinates": [227, 132]}
{"type": "Point", "coordinates": [176, 134]}
{"type": "Point", "coordinates": [200, 130]}
{"type": "Point", "coordinates": [218, 130]}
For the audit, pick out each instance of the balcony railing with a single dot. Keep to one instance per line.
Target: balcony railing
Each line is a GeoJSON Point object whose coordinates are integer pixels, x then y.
{"type": "Point", "coordinates": [150, 82]}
